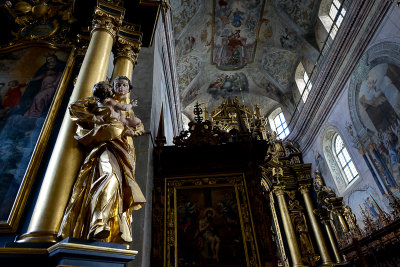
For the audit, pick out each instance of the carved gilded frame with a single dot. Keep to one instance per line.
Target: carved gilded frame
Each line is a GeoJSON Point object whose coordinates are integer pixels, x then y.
{"type": "Point", "coordinates": [235, 181]}
{"type": "Point", "coordinates": [11, 224]}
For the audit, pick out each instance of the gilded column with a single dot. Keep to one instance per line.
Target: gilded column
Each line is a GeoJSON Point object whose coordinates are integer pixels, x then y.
{"type": "Point", "coordinates": [67, 156]}
{"type": "Point", "coordinates": [326, 259]}
{"type": "Point", "coordinates": [339, 212]}
{"type": "Point", "coordinates": [288, 226]}
{"type": "Point", "coordinates": [323, 214]}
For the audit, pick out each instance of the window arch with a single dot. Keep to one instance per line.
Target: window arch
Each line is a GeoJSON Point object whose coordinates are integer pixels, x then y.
{"type": "Point", "coordinates": [303, 82]}
{"type": "Point", "coordinates": [278, 123]}
{"type": "Point", "coordinates": [331, 14]}
{"type": "Point", "coordinates": [339, 160]}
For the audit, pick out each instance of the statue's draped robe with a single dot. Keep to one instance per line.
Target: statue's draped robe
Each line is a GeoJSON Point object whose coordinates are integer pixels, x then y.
{"type": "Point", "coordinates": [105, 191]}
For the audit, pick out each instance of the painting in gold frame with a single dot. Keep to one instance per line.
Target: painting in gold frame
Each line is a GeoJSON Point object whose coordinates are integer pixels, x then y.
{"type": "Point", "coordinates": [208, 222]}
{"type": "Point", "coordinates": [33, 79]}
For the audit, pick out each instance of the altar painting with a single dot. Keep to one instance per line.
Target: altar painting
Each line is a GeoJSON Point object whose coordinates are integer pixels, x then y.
{"type": "Point", "coordinates": [209, 222]}
{"type": "Point", "coordinates": [209, 227]}
{"type": "Point", "coordinates": [235, 32]}
{"type": "Point", "coordinates": [29, 79]}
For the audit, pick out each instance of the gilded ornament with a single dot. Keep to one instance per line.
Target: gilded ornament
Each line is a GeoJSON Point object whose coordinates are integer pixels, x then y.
{"type": "Point", "coordinates": [22, 7]}
{"type": "Point", "coordinates": [40, 9]}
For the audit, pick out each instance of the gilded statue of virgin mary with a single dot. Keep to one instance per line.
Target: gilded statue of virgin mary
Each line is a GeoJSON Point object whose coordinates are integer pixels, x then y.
{"type": "Point", "coordinates": [105, 190]}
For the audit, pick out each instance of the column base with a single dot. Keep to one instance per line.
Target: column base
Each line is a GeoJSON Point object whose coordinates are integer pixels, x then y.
{"type": "Point", "coordinates": [38, 237]}
{"type": "Point", "coordinates": [78, 252]}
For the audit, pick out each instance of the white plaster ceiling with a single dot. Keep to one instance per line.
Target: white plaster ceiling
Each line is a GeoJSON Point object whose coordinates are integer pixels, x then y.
{"type": "Point", "coordinates": [244, 48]}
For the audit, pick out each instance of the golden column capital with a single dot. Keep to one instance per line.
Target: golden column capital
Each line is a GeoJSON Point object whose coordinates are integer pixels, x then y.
{"type": "Point", "coordinates": [304, 188]}
{"type": "Point", "coordinates": [105, 21]}
{"type": "Point", "coordinates": [279, 190]}
{"type": "Point", "coordinates": [127, 49]}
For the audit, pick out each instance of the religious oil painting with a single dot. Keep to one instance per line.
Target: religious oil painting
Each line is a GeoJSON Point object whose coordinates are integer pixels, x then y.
{"type": "Point", "coordinates": [211, 220]}
{"type": "Point", "coordinates": [235, 32]}
{"type": "Point", "coordinates": [379, 110]}
{"type": "Point", "coordinates": [209, 227]}
{"type": "Point", "coordinates": [29, 79]}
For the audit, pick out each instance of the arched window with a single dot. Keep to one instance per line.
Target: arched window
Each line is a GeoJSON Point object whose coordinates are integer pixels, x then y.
{"type": "Point", "coordinates": [339, 160]}
{"type": "Point", "coordinates": [331, 14]}
{"type": "Point", "coordinates": [340, 12]}
{"type": "Point", "coordinates": [278, 123]}
{"type": "Point", "coordinates": [344, 160]}
{"type": "Point", "coordinates": [303, 82]}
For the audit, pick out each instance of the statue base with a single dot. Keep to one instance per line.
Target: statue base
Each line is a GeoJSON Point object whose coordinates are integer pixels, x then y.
{"type": "Point", "coordinates": [68, 252]}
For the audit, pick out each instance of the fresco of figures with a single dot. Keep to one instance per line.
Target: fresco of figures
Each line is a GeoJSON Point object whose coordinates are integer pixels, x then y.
{"type": "Point", "coordinates": [29, 78]}
{"type": "Point", "coordinates": [379, 110]}
{"type": "Point", "coordinates": [225, 85]}
{"type": "Point", "coordinates": [235, 25]}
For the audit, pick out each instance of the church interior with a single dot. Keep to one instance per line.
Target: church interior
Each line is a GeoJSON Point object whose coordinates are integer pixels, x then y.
{"type": "Point", "coordinates": [200, 133]}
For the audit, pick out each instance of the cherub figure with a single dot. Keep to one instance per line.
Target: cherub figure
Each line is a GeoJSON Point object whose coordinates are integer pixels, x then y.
{"type": "Point", "coordinates": [105, 93]}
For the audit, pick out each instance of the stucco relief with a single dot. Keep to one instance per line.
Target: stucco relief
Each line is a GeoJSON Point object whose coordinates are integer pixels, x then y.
{"type": "Point", "coordinates": [301, 12]}
{"type": "Point", "coordinates": [269, 88]}
{"type": "Point", "coordinates": [183, 13]}
{"type": "Point", "coordinates": [188, 67]}
{"type": "Point", "coordinates": [279, 64]}
{"type": "Point", "coordinates": [190, 96]}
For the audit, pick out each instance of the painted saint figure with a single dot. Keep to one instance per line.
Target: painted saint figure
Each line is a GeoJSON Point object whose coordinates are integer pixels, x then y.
{"type": "Point", "coordinates": [208, 233]}
{"type": "Point", "coordinates": [13, 95]}
{"type": "Point", "coordinates": [49, 79]}
{"type": "Point", "coordinates": [105, 191]}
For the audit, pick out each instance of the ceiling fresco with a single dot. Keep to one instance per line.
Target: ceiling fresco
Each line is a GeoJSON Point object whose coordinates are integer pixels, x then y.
{"type": "Point", "coordinates": [184, 11]}
{"type": "Point", "coordinates": [285, 60]}
{"type": "Point", "coordinates": [244, 48]}
{"type": "Point", "coordinates": [235, 28]}
{"type": "Point", "coordinates": [300, 11]}
{"type": "Point", "coordinates": [187, 68]}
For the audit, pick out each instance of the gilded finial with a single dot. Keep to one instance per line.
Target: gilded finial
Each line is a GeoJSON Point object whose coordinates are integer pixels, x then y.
{"type": "Point", "coordinates": [197, 112]}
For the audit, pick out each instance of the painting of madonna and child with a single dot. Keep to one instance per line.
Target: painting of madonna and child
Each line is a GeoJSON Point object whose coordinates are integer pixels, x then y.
{"type": "Point", "coordinates": [379, 110]}
{"type": "Point", "coordinates": [29, 78]}
{"type": "Point", "coordinates": [208, 227]}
